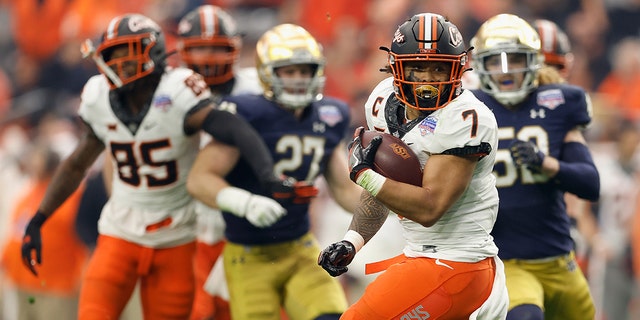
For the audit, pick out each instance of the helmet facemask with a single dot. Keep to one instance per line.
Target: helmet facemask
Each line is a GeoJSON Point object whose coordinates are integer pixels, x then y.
{"type": "Point", "coordinates": [426, 95]}
{"type": "Point", "coordinates": [432, 46]}
{"type": "Point", "coordinates": [216, 59]}
{"type": "Point", "coordinates": [298, 92]}
{"type": "Point", "coordinates": [135, 65]}
{"type": "Point", "coordinates": [496, 70]}
{"type": "Point", "coordinates": [507, 48]}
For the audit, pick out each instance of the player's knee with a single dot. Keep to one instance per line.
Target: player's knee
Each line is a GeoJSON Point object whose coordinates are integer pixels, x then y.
{"type": "Point", "coordinates": [328, 317]}
{"type": "Point", "coordinates": [526, 312]}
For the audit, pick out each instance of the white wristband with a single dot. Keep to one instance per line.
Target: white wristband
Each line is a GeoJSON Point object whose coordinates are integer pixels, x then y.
{"type": "Point", "coordinates": [354, 238]}
{"type": "Point", "coordinates": [371, 181]}
{"type": "Point", "coordinates": [234, 200]}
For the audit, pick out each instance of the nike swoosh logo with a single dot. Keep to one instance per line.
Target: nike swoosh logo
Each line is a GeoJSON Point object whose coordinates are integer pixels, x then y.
{"type": "Point", "coordinates": [149, 125]}
{"type": "Point", "coordinates": [438, 262]}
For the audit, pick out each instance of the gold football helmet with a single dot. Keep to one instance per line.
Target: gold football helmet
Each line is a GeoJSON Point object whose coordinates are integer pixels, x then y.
{"type": "Point", "coordinates": [499, 41]}
{"type": "Point", "coordinates": [284, 45]}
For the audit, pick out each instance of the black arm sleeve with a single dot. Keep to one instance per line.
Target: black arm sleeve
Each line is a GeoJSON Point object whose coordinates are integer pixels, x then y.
{"type": "Point", "coordinates": [231, 129]}
{"type": "Point", "coordinates": [578, 174]}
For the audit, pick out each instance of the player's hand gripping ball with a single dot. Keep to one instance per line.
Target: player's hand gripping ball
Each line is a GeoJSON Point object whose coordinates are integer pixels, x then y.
{"type": "Point", "coordinates": [393, 158]}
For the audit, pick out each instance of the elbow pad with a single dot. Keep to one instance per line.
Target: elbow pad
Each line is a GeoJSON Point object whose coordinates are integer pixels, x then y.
{"type": "Point", "coordinates": [578, 174]}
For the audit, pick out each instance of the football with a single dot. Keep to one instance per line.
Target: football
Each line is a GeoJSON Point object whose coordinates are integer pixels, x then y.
{"type": "Point", "coordinates": [394, 159]}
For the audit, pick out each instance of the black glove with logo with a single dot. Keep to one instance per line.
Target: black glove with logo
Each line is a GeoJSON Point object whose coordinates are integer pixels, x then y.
{"type": "Point", "coordinates": [361, 158]}
{"type": "Point", "coordinates": [336, 257]}
{"type": "Point", "coordinates": [525, 153]}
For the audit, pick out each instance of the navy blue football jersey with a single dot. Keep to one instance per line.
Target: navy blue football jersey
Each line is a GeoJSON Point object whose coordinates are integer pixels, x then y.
{"type": "Point", "coordinates": [300, 148]}
{"type": "Point", "coordinates": [532, 220]}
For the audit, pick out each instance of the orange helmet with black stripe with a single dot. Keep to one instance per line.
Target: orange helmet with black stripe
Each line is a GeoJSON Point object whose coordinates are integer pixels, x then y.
{"type": "Point", "coordinates": [427, 37]}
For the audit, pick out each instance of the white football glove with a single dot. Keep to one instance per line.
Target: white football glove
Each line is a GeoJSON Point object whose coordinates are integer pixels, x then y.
{"type": "Point", "coordinates": [261, 211]}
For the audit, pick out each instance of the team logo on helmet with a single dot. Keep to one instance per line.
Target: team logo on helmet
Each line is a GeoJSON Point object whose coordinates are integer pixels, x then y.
{"type": "Point", "coordinates": [455, 36]}
{"type": "Point", "coordinates": [137, 23]}
{"type": "Point", "coordinates": [184, 26]}
{"type": "Point", "coordinates": [398, 37]}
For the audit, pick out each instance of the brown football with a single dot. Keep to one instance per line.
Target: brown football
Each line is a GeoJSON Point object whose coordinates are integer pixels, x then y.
{"type": "Point", "coordinates": [394, 159]}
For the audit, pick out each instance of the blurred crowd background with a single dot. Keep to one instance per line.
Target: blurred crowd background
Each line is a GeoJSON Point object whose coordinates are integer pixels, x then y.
{"type": "Point", "coordinates": [42, 73]}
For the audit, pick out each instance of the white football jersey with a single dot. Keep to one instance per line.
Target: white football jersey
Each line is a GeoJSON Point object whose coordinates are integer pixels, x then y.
{"type": "Point", "coordinates": [149, 203]}
{"type": "Point", "coordinates": [463, 232]}
{"type": "Point", "coordinates": [247, 81]}
{"type": "Point", "coordinates": [619, 190]}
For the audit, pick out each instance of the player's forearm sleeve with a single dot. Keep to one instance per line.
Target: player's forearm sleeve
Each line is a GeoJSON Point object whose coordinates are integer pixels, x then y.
{"type": "Point", "coordinates": [230, 129]}
{"type": "Point", "coordinates": [578, 174]}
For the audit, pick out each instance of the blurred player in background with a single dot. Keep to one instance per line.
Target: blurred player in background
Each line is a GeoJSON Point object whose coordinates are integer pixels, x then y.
{"type": "Point", "coordinates": [57, 288]}
{"type": "Point", "coordinates": [558, 63]}
{"type": "Point", "coordinates": [555, 47]}
{"type": "Point", "coordinates": [148, 118]}
{"type": "Point", "coordinates": [450, 268]}
{"type": "Point", "coordinates": [209, 43]}
{"type": "Point", "coordinates": [270, 263]}
{"type": "Point", "coordinates": [542, 154]}
{"type": "Point", "coordinates": [611, 275]}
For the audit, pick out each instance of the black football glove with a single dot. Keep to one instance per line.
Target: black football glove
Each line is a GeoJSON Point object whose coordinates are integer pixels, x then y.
{"type": "Point", "coordinates": [361, 158]}
{"type": "Point", "coordinates": [32, 241]}
{"type": "Point", "coordinates": [525, 153]}
{"type": "Point", "coordinates": [288, 190]}
{"type": "Point", "coordinates": [336, 257]}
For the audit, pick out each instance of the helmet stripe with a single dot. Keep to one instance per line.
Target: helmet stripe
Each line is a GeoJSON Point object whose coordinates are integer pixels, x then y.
{"type": "Point", "coordinates": [208, 20]}
{"type": "Point", "coordinates": [421, 31]}
{"type": "Point", "coordinates": [112, 29]}
{"type": "Point", "coordinates": [547, 38]}
{"type": "Point", "coordinates": [434, 32]}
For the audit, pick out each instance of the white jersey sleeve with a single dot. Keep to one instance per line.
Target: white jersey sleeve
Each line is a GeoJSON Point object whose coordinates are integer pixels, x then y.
{"type": "Point", "coordinates": [151, 160]}
{"type": "Point", "coordinates": [464, 126]}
